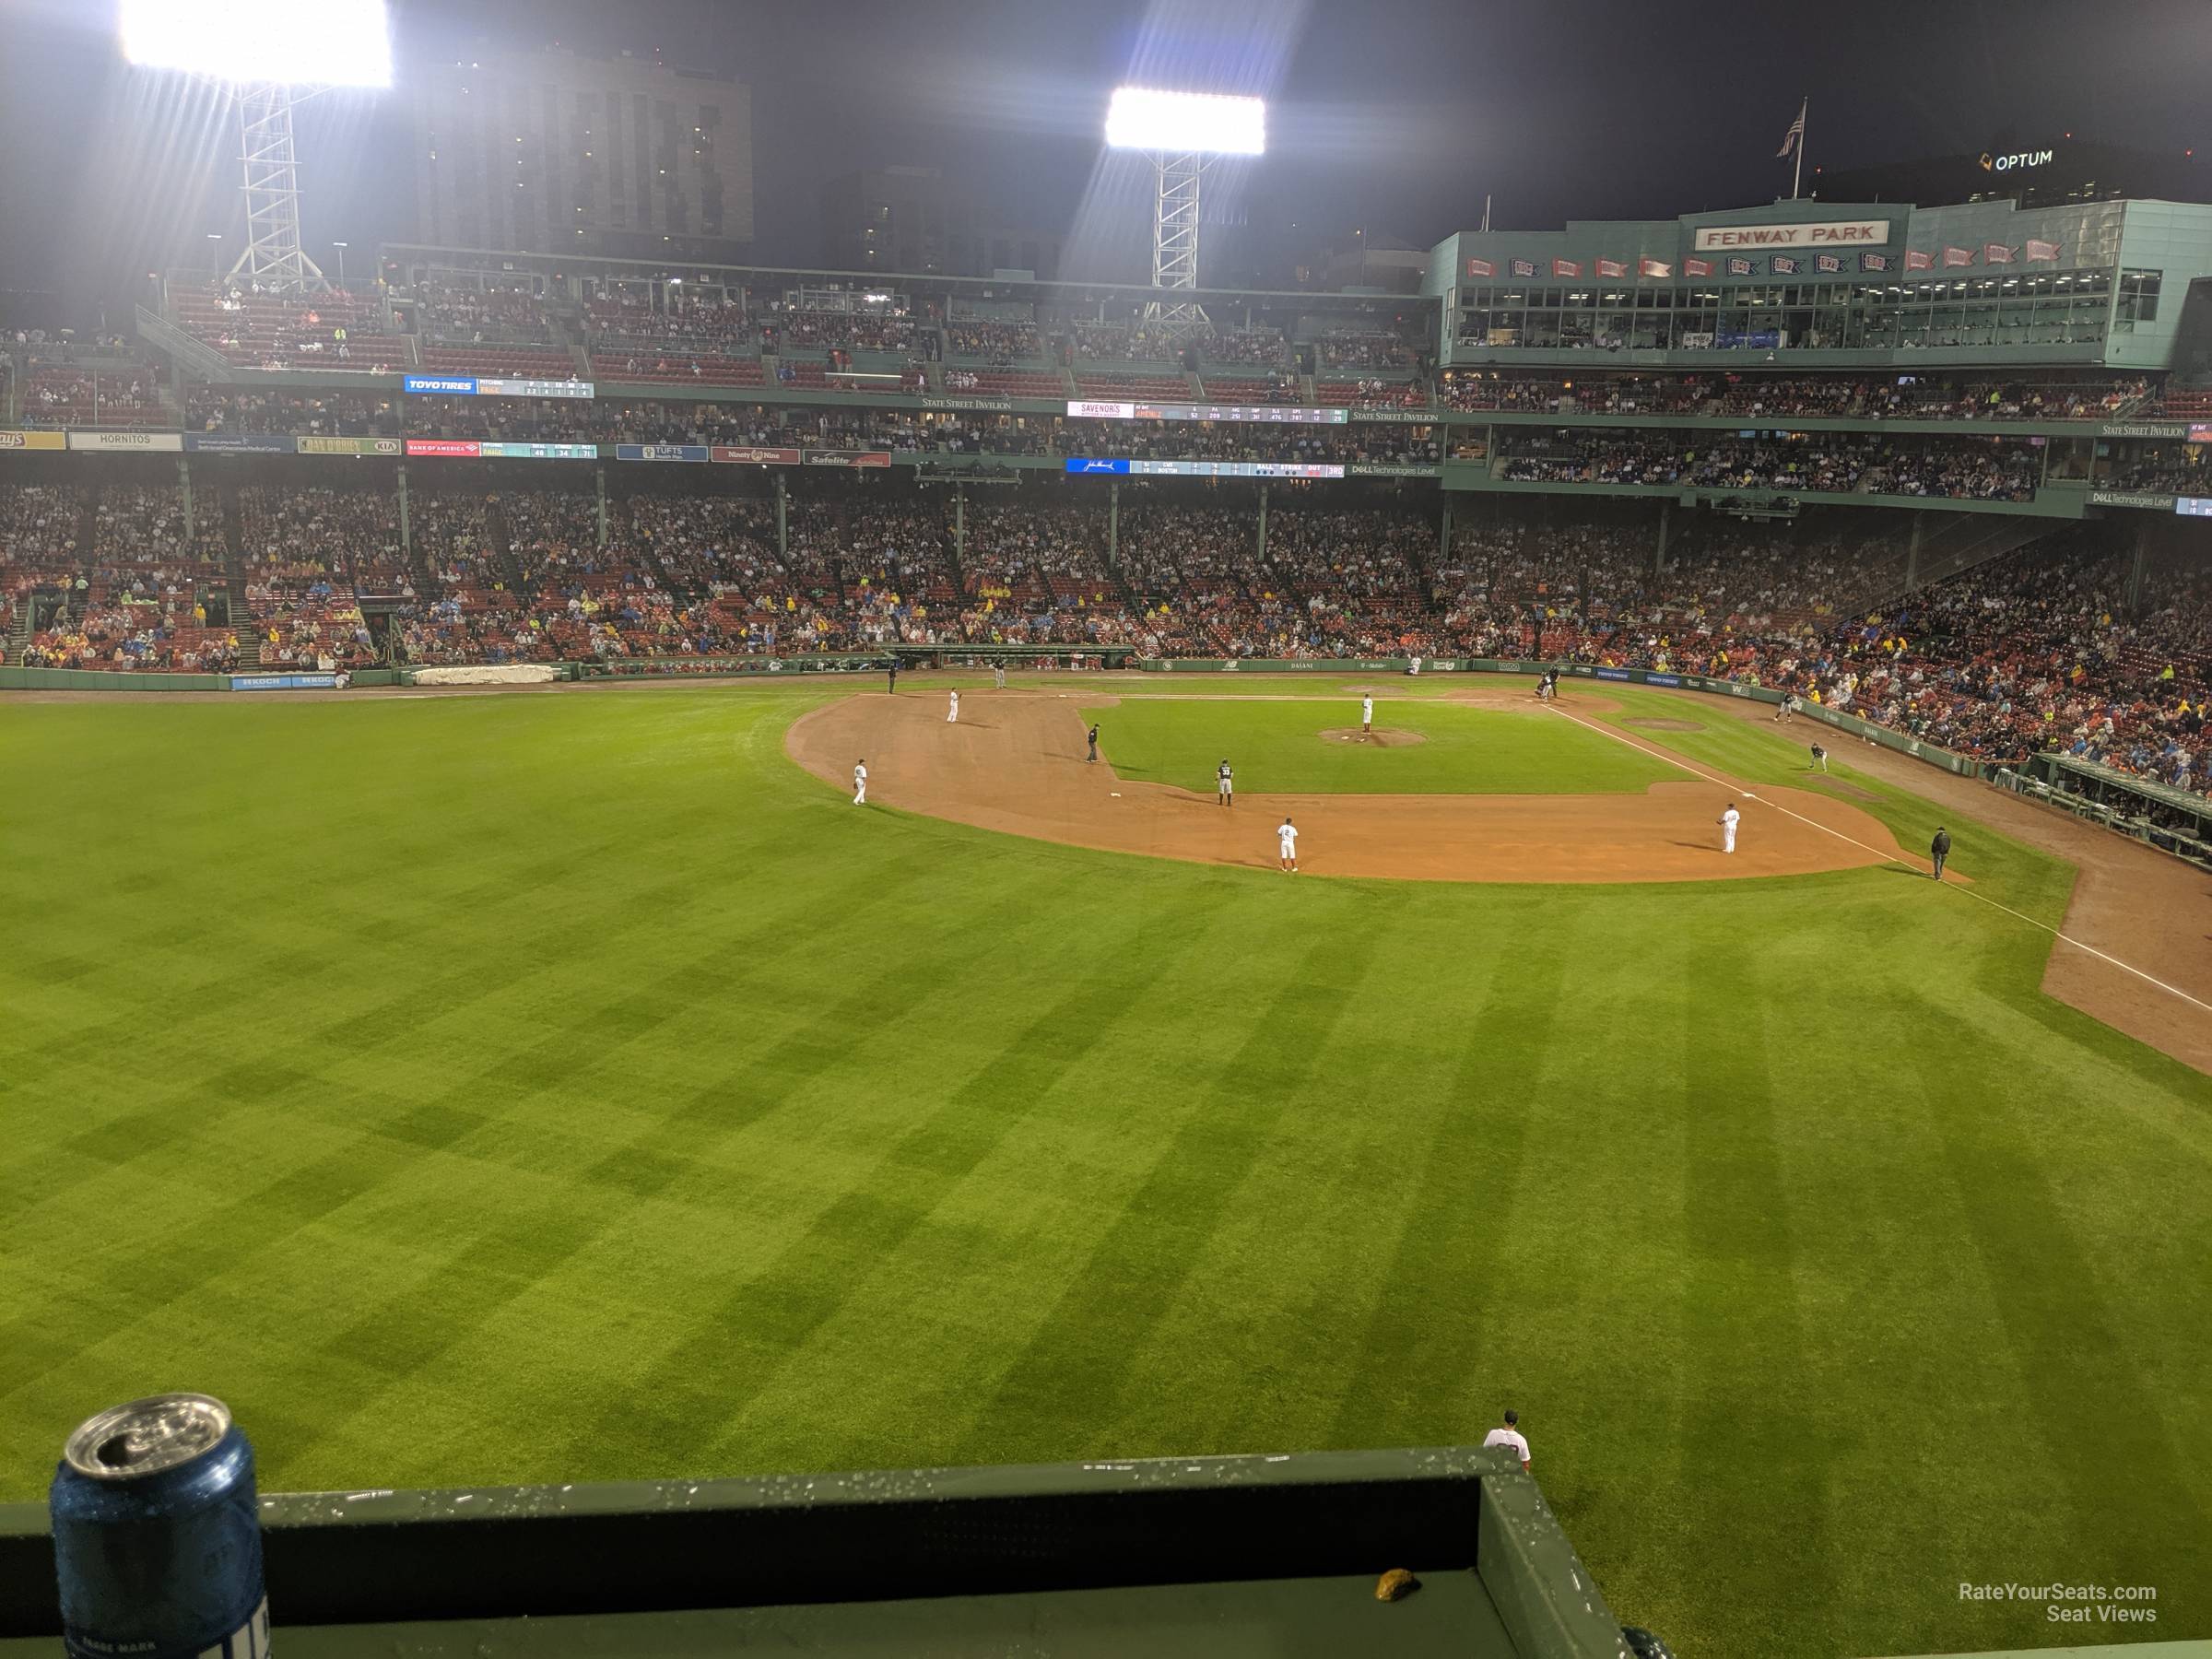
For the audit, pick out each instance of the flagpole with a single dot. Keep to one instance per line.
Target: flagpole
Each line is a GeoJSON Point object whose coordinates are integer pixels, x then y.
{"type": "Point", "coordinates": [1798, 176]}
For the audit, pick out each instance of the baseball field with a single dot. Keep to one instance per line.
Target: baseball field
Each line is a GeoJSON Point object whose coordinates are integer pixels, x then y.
{"type": "Point", "coordinates": [577, 1085]}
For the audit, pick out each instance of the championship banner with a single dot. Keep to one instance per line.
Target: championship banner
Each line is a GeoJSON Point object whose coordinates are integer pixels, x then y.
{"type": "Point", "coordinates": [1996, 253]}
{"type": "Point", "coordinates": [1740, 266]}
{"type": "Point", "coordinates": [1481, 268]}
{"type": "Point", "coordinates": [239, 443]}
{"type": "Point", "coordinates": [661, 452]}
{"type": "Point", "coordinates": [348, 446]}
{"type": "Point", "coordinates": [32, 440]}
{"type": "Point", "coordinates": [1524, 267]}
{"type": "Point", "coordinates": [1874, 261]}
{"type": "Point", "coordinates": [848, 457]}
{"type": "Point", "coordinates": [539, 452]}
{"type": "Point", "coordinates": [1697, 268]}
{"type": "Point", "coordinates": [1611, 267]}
{"type": "Point", "coordinates": [1566, 267]}
{"type": "Point", "coordinates": [442, 446]}
{"type": "Point", "coordinates": [1916, 260]}
{"type": "Point", "coordinates": [1957, 257]}
{"type": "Point", "coordinates": [758, 457]}
{"type": "Point", "coordinates": [167, 442]}
{"type": "Point", "coordinates": [2042, 250]}
{"type": "Point", "coordinates": [1654, 268]}
{"type": "Point", "coordinates": [1829, 262]}
{"type": "Point", "coordinates": [1783, 265]}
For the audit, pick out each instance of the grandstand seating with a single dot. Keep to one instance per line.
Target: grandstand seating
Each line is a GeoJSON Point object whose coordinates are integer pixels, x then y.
{"type": "Point", "coordinates": [1219, 389]}
{"type": "Point", "coordinates": [62, 395]}
{"type": "Point", "coordinates": [666, 369]}
{"type": "Point", "coordinates": [1123, 388]}
{"type": "Point", "coordinates": [256, 330]}
{"type": "Point", "coordinates": [514, 362]}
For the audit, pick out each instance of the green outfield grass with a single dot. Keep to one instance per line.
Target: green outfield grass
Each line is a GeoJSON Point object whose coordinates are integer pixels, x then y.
{"type": "Point", "coordinates": [564, 1088]}
{"type": "Point", "coordinates": [1277, 746]}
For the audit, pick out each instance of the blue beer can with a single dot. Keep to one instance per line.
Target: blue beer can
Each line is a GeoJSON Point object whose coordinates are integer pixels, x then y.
{"type": "Point", "coordinates": [156, 1534]}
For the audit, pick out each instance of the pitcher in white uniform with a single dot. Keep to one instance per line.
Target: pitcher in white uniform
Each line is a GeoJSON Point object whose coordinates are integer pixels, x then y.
{"type": "Point", "coordinates": [1367, 716]}
{"type": "Point", "coordinates": [1728, 822]}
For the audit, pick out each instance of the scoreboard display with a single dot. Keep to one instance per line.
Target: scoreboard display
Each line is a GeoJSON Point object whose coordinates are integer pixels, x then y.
{"type": "Point", "coordinates": [1292, 414]}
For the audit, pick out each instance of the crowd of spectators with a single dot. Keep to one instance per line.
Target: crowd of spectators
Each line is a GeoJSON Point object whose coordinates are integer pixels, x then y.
{"type": "Point", "coordinates": [497, 310]}
{"type": "Point", "coordinates": [1829, 462]}
{"type": "Point", "coordinates": [995, 342]}
{"type": "Point", "coordinates": [1817, 396]}
{"type": "Point", "coordinates": [1363, 351]}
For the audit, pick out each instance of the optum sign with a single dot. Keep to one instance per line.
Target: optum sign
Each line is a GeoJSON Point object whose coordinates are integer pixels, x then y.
{"type": "Point", "coordinates": [2018, 158]}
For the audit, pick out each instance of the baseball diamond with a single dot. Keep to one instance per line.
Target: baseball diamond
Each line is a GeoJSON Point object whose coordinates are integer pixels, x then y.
{"type": "Point", "coordinates": [1098, 862]}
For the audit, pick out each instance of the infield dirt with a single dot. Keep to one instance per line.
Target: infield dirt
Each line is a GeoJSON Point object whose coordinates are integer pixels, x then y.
{"type": "Point", "coordinates": [1015, 763]}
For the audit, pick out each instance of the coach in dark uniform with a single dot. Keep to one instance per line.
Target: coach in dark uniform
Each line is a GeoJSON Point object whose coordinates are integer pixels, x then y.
{"type": "Point", "coordinates": [1939, 849]}
{"type": "Point", "coordinates": [894, 687]}
{"type": "Point", "coordinates": [1094, 743]}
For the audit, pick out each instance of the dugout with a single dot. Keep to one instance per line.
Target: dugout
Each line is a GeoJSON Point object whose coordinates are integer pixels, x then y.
{"type": "Point", "coordinates": [1276, 1555]}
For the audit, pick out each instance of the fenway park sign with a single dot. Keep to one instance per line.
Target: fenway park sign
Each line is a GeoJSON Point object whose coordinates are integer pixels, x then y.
{"type": "Point", "coordinates": [1833, 233]}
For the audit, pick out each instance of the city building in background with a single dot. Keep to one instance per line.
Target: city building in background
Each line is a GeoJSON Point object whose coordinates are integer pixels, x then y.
{"type": "Point", "coordinates": [550, 152]}
{"type": "Point", "coordinates": [915, 220]}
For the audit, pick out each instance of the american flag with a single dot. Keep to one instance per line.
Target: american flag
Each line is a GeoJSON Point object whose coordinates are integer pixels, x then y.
{"type": "Point", "coordinates": [1790, 138]}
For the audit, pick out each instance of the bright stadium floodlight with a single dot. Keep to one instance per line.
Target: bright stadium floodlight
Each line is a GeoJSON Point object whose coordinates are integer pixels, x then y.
{"type": "Point", "coordinates": [328, 44]}
{"type": "Point", "coordinates": [270, 53]}
{"type": "Point", "coordinates": [1180, 131]}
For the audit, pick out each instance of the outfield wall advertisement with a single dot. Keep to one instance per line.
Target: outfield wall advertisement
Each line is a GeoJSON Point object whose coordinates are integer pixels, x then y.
{"type": "Point", "coordinates": [33, 441]}
{"type": "Point", "coordinates": [171, 442]}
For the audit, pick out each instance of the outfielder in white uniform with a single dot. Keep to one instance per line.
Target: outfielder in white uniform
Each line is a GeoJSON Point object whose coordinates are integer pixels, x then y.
{"type": "Point", "coordinates": [953, 715]}
{"type": "Point", "coordinates": [860, 783]}
{"type": "Point", "coordinates": [1286, 836]}
{"type": "Point", "coordinates": [1727, 822]}
{"type": "Point", "coordinates": [1367, 716]}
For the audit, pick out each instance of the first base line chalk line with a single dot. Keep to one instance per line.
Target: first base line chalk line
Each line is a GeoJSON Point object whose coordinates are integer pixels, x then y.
{"type": "Point", "coordinates": [2064, 938]}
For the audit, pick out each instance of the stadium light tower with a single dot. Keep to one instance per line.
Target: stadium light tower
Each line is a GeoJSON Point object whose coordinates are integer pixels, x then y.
{"type": "Point", "coordinates": [1181, 131]}
{"type": "Point", "coordinates": [271, 55]}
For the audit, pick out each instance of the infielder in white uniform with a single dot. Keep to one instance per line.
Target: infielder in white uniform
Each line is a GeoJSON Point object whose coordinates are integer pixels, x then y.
{"type": "Point", "coordinates": [1727, 822]}
{"type": "Point", "coordinates": [953, 715]}
{"type": "Point", "coordinates": [1367, 716]}
{"type": "Point", "coordinates": [860, 783]}
{"type": "Point", "coordinates": [1286, 836]}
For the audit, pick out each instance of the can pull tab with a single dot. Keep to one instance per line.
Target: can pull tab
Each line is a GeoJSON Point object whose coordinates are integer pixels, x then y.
{"type": "Point", "coordinates": [147, 1436]}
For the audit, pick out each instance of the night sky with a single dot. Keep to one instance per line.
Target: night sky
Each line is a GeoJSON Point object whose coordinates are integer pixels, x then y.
{"type": "Point", "coordinates": [1394, 116]}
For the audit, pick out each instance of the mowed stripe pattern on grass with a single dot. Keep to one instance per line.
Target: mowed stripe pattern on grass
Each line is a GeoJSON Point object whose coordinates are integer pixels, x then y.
{"type": "Point", "coordinates": [570, 1088]}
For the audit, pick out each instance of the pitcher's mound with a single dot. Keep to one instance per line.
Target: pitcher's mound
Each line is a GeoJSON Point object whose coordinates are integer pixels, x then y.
{"type": "Point", "coordinates": [1380, 738]}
